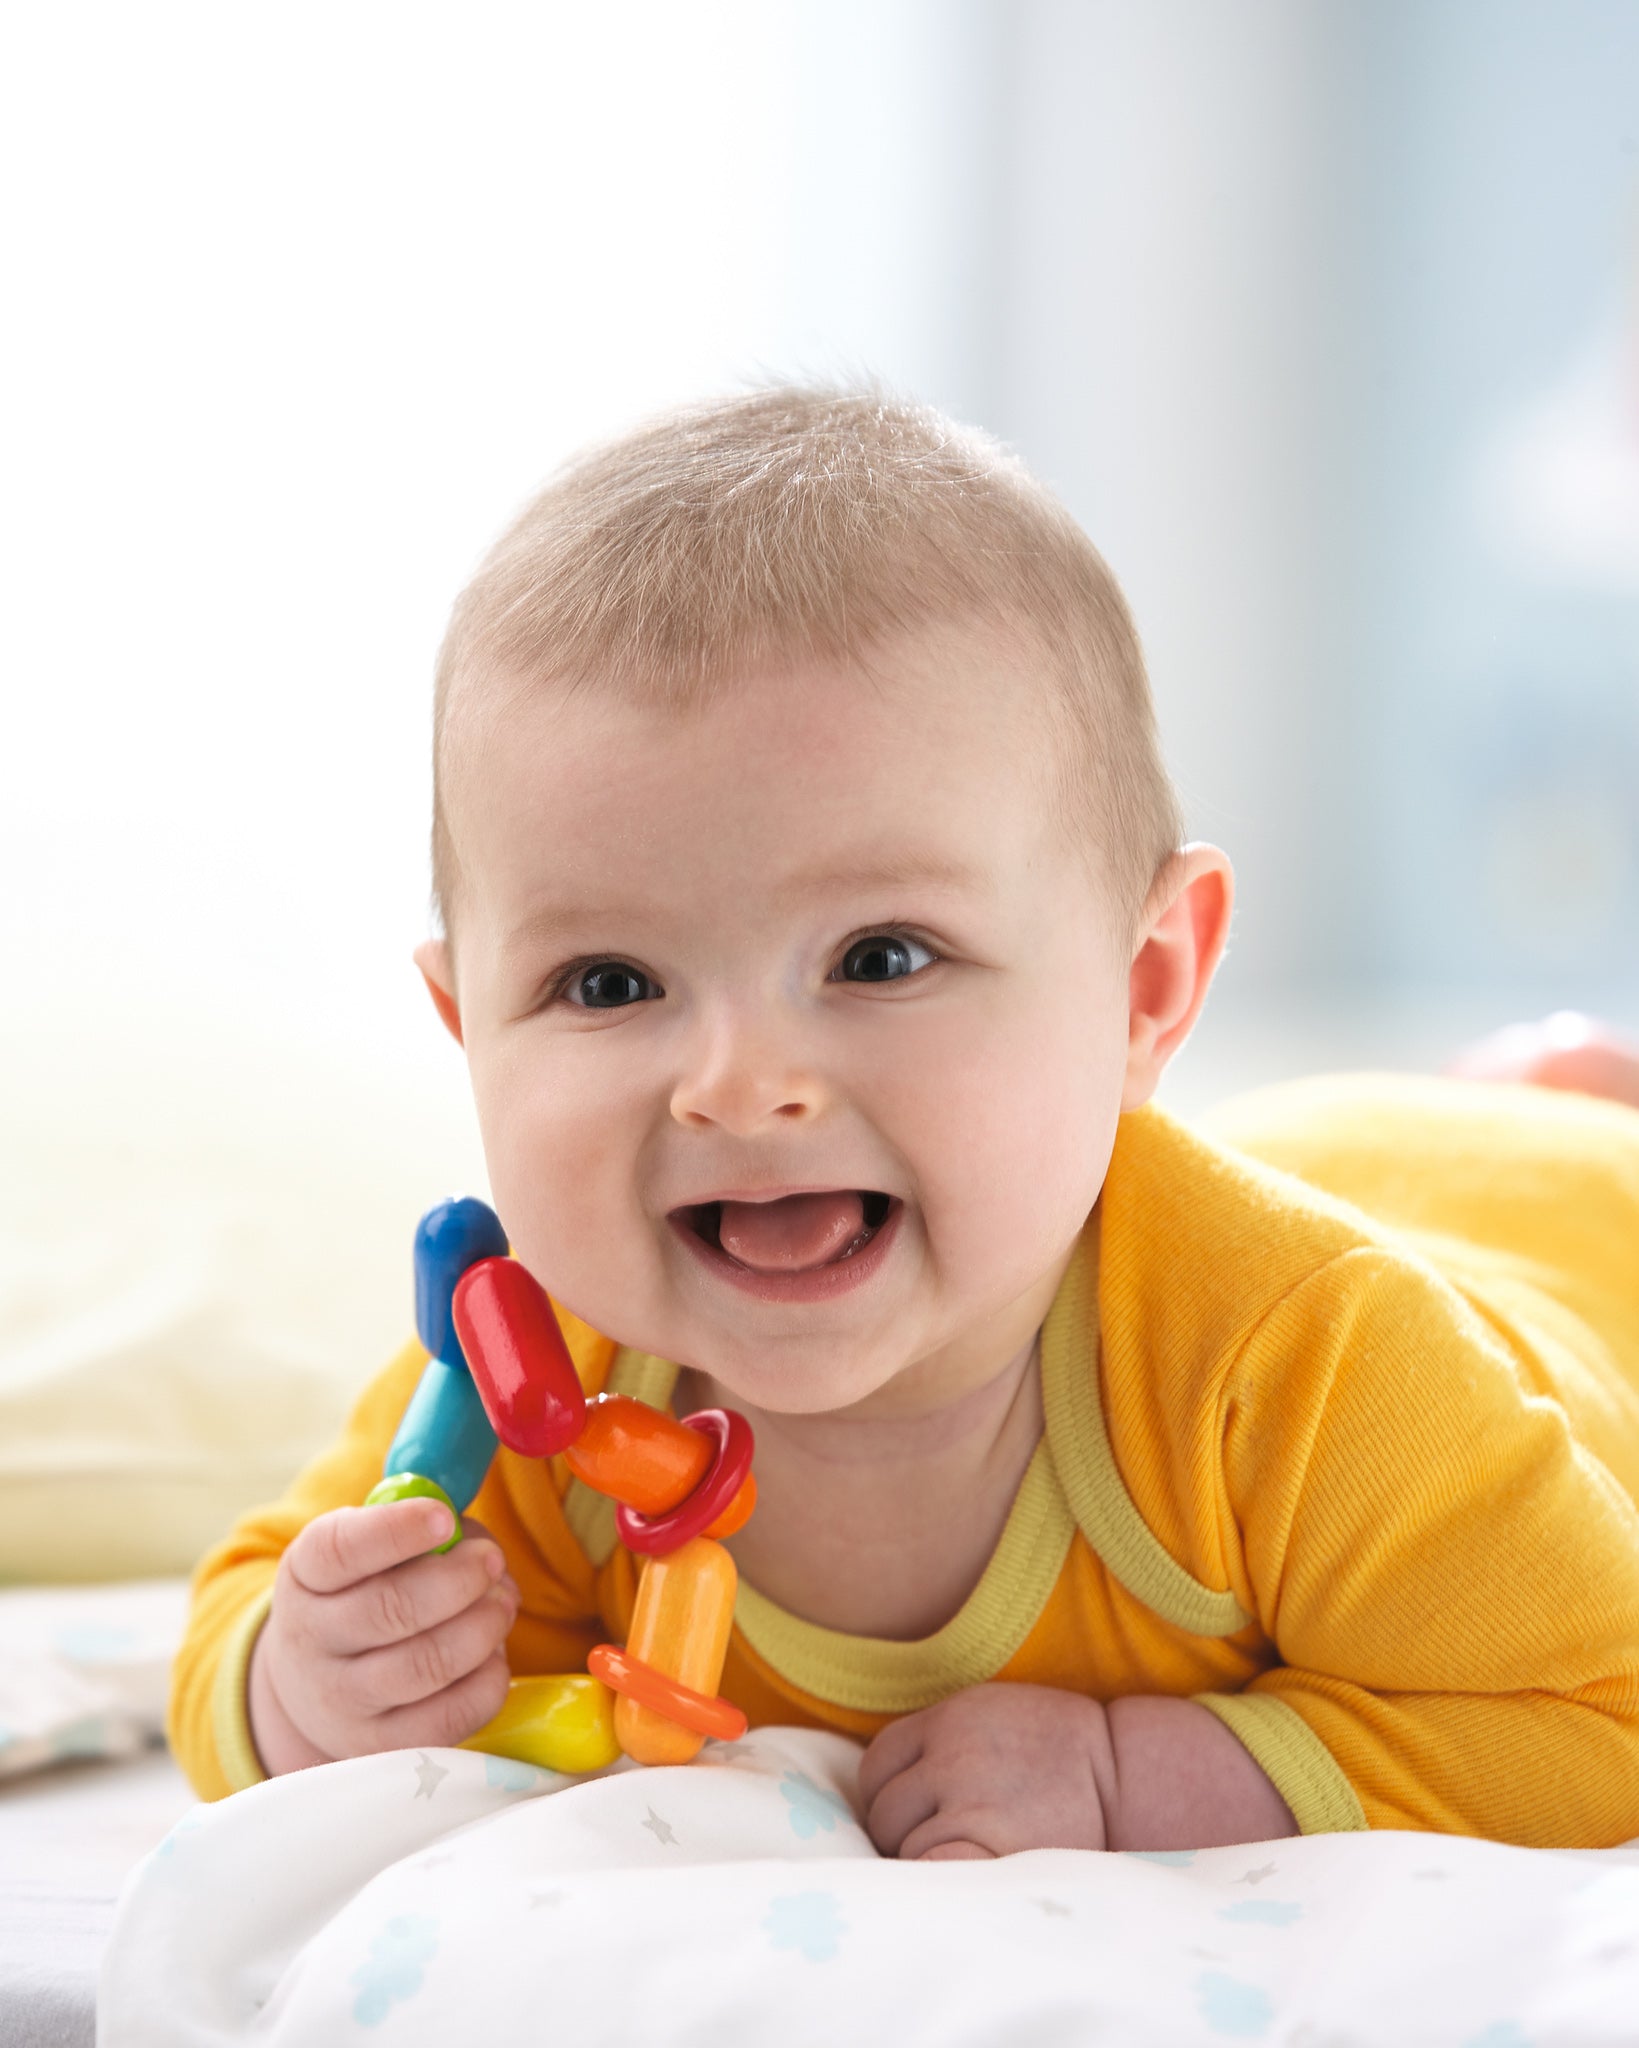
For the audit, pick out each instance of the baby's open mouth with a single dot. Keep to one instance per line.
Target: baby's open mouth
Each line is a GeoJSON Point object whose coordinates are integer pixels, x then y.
{"type": "Point", "coordinates": [793, 1233]}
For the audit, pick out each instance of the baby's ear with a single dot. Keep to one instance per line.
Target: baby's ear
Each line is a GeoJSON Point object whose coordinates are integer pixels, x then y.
{"type": "Point", "coordinates": [1180, 943]}
{"type": "Point", "coordinates": [432, 956]}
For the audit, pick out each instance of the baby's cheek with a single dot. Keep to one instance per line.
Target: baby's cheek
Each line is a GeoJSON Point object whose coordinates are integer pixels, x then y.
{"type": "Point", "coordinates": [560, 1169]}
{"type": "Point", "coordinates": [1009, 1140]}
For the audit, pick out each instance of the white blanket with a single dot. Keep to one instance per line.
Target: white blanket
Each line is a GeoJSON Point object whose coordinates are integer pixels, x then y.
{"type": "Point", "coordinates": [443, 1898]}
{"type": "Point", "coordinates": [84, 1669]}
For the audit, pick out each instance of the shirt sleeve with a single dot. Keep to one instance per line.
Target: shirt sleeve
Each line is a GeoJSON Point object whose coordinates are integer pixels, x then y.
{"type": "Point", "coordinates": [1451, 1579]}
{"type": "Point", "coordinates": [207, 1722]}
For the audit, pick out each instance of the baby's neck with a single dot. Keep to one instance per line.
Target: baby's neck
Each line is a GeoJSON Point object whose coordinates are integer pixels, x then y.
{"type": "Point", "coordinates": [882, 1526]}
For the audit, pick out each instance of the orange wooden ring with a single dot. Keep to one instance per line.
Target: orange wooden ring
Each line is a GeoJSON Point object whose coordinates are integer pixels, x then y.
{"type": "Point", "coordinates": [697, 1711]}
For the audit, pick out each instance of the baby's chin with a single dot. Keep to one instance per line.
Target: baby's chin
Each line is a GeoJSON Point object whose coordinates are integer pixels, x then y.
{"type": "Point", "coordinates": [787, 1367]}
{"type": "Point", "coordinates": [826, 1384]}
{"type": "Point", "coordinates": [796, 1393]}
{"type": "Point", "coordinates": [780, 1359]}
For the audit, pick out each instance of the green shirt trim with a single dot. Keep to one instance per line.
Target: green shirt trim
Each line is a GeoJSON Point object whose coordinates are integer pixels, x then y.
{"type": "Point", "coordinates": [874, 1676]}
{"type": "Point", "coordinates": [1293, 1758]}
{"type": "Point", "coordinates": [1098, 1496]}
{"type": "Point", "coordinates": [230, 1714]}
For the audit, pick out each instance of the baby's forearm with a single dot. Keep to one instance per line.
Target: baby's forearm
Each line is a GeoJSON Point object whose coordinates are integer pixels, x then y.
{"type": "Point", "coordinates": [997, 1768]}
{"type": "Point", "coordinates": [1171, 1776]}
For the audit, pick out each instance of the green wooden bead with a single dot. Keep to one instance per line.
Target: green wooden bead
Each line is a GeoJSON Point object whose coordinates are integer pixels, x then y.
{"type": "Point", "coordinates": [411, 1486]}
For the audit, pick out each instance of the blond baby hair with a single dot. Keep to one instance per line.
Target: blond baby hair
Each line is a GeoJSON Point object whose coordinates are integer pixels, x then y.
{"type": "Point", "coordinates": [802, 522]}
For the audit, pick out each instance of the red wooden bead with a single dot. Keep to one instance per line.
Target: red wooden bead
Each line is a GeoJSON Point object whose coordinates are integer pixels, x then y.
{"type": "Point", "coordinates": [518, 1359]}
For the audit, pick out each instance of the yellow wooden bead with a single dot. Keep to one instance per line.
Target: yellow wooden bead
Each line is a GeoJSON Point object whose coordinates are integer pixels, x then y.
{"type": "Point", "coordinates": [564, 1723]}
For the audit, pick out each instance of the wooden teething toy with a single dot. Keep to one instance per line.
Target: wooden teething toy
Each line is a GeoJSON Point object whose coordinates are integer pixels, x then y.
{"type": "Point", "coordinates": [499, 1371]}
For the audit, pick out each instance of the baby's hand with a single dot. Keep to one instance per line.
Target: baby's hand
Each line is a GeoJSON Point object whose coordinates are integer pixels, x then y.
{"type": "Point", "coordinates": [373, 1643]}
{"type": "Point", "coordinates": [988, 1771]}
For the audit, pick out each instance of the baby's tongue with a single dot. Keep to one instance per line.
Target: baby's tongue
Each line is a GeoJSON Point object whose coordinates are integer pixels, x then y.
{"type": "Point", "coordinates": [792, 1234]}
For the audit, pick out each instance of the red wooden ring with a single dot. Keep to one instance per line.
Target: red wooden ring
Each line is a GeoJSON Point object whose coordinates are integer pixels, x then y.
{"type": "Point", "coordinates": [700, 1713]}
{"type": "Point", "coordinates": [659, 1535]}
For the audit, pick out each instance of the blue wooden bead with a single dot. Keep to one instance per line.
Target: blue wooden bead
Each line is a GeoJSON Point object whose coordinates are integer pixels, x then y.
{"type": "Point", "coordinates": [445, 1435]}
{"type": "Point", "coordinates": [451, 1237]}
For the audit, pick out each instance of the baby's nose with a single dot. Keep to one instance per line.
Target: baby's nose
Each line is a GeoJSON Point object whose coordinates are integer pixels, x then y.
{"type": "Point", "coordinates": [740, 1085]}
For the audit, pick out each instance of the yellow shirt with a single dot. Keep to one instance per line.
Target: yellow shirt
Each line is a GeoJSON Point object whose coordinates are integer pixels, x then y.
{"type": "Point", "coordinates": [1342, 1437]}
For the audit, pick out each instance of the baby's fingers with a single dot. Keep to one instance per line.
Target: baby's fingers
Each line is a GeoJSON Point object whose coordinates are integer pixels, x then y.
{"type": "Point", "coordinates": [408, 1600]}
{"type": "Point", "coordinates": [403, 1673]}
{"type": "Point", "coordinates": [899, 1807]}
{"type": "Point", "coordinates": [348, 1544]}
{"type": "Point", "coordinates": [449, 1716]}
{"type": "Point", "coordinates": [894, 1749]}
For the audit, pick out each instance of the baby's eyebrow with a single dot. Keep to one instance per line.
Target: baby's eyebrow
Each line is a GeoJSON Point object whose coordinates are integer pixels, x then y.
{"type": "Point", "coordinates": [549, 921]}
{"type": "Point", "coordinates": [893, 871]}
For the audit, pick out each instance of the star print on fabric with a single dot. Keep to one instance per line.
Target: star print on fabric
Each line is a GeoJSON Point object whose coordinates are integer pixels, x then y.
{"type": "Point", "coordinates": [660, 1829]}
{"type": "Point", "coordinates": [429, 1775]}
{"type": "Point", "coordinates": [1054, 1908]}
{"type": "Point", "coordinates": [1256, 1876]}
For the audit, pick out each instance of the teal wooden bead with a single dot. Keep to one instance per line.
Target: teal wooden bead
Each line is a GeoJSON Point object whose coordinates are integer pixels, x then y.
{"type": "Point", "coordinates": [445, 1434]}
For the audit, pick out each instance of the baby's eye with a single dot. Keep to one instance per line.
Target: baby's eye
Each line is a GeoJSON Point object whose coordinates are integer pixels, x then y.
{"type": "Point", "coordinates": [885, 956]}
{"type": "Point", "coordinates": [608, 985]}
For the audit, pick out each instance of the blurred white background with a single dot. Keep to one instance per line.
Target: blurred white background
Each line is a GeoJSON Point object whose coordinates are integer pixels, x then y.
{"type": "Point", "coordinates": [1322, 315]}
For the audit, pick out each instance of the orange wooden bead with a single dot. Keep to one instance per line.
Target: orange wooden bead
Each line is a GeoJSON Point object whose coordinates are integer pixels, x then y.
{"type": "Point", "coordinates": [681, 1627]}
{"type": "Point", "coordinates": [737, 1513]}
{"type": "Point", "coordinates": [638, 1454]}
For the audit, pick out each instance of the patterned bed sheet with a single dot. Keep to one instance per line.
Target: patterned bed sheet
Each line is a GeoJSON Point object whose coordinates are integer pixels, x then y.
{"type": "Point", "coordinates": [429, 1897]}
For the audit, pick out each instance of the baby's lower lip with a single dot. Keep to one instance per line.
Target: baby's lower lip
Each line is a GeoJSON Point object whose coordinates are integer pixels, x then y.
{"type": "Point", "coordinates": [817, 1283]}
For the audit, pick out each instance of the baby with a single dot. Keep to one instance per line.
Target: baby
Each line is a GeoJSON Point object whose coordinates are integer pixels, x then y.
{"type": "Point", "coordinates": [818, 926]}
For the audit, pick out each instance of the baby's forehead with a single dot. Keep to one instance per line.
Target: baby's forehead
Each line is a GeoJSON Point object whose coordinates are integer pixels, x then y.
{"type": "Point", "coordinates": [916, 762]}
{"type": "Point", "coordinates": [993, 680]}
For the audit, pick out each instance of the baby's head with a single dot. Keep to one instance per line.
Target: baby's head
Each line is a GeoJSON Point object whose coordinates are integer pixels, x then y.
{"type": "Point", "coordinates": [812, 892]}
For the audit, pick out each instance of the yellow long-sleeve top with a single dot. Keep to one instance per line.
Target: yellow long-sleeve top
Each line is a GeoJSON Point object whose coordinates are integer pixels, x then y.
{"type": "Point", "coordinates": [1342, 1438]}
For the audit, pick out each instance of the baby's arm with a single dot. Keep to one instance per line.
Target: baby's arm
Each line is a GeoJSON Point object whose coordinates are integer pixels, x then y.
{"type": "Point", "coordinates": [999, 1768]}
{"type": "Point", "coordinates": [1450, 1578]}
{"type": "Point", "coordinates": [234, 1587]}
{"type": "Point", "coordinates": [374, 1641]}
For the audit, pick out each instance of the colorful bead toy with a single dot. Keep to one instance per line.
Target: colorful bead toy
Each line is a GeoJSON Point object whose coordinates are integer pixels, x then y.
{"type": "Point", "coordinates": [667, 1674]}
{"type": "Point", "coordinates": [445, 1440]}
{"type": "Point", "coordinates": [499, 1371]}
{"type": "Point", "coordinates": [564, 1723]}
{"type": "Point", "coordinates": [519, 1361]}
